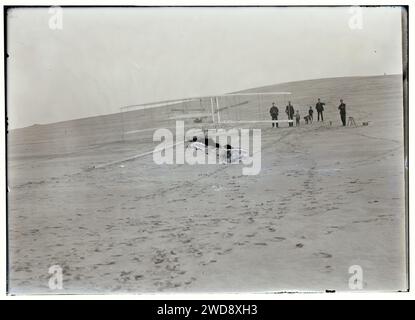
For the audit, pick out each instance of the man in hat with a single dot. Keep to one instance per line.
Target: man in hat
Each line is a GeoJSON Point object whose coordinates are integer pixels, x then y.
{"type": "Point", "coordinates": [274, 114]}
{"type": "Point", "coordinates": [320, 109]}
{"type": "Point", "coordinates": [289, 110]}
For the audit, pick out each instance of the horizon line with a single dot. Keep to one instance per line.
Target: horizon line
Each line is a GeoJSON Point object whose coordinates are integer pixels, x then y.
{"type": "Point", "coordinates": [202, 96]}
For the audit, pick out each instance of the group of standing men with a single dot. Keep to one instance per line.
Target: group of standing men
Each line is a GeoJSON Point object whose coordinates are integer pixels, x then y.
{"type": "Point", "coordinates": [289, 110]}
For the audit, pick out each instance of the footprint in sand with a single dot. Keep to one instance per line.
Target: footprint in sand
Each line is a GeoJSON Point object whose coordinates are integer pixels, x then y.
{"type": "Point", "coordinates": [278, 239]}
{"type": "Point", "coordinates": [159, 257]}
{"type": "Point", "coordinates": [323, 255]}
{"type": "Point", "coordinates": [208, 262]}
{"type": "Point", "coordinates": [190, 281]}
{"type": "Point", "coordinates": [124, 276]}
{"type": "Point", "coordinates": [172, 267]}
{"type": "Point", "coordinates": [333, 229]}
{"type": "Point", "coordinates": [225, 251]}
{"type": "Point", "coordinates": [260, 244]}
{"type": "Point", "coordinates": [328, 269]}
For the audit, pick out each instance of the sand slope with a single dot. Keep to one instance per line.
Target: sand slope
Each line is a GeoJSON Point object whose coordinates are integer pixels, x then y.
{"type": "Point", "coordinates": [327, 197]}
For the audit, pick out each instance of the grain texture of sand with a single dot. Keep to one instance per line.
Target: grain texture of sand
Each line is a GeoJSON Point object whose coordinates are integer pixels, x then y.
{"type": "Point", "coordinates": [327, 198]}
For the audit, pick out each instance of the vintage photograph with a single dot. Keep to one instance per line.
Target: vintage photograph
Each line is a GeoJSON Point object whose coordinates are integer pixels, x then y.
{"type": "Point", "coordinates": [206, 149]}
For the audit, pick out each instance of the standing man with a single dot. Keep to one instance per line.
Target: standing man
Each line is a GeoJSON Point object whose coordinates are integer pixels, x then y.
{"type": "Point", "coordinates": [310, 113]}
{"type": "Point", "coordinates": [274, 114]}
{"type": "Point", "coordinates": [320, 109]}
{"type": "Point", "coordinates": [289, 110]}
{"type": "Point", "coordinates": [342, 108]}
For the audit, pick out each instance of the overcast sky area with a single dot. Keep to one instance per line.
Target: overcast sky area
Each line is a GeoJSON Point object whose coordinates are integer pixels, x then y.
{"type": "Point", "coordinates": [106, 58]}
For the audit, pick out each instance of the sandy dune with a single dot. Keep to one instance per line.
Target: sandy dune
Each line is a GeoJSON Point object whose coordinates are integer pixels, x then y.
{"type": "Point", "coordinates": [328, 197]}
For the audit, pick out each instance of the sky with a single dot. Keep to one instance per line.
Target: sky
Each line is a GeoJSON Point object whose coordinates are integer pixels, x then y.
{"type": "Point", "coordinates": [105, 58]}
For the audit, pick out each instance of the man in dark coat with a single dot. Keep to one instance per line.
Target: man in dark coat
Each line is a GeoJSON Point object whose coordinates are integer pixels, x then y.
{"type": "Point", "coordinates": [289, 110]}
{"type": "Point", "coordinates": [342, 108]}
{"type": "Point", "coordinates": [320, 109]}
{"type": "Point", "coordinates": [274, 114]}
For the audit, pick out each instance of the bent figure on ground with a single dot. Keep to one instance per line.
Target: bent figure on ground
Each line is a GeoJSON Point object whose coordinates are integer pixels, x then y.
{"type": "Point", "coordinates": [289, 110]}
{"type": "Point", "coordinates": [274, 114]}
{"type": "Point", "coordinates": [229, 154]}
{"type": "Point", "coordinates": [310, 114]}
{"type": "Point", "coordinates": [320, 109]}
{"type": "Point", "coordinates": [342, 108]}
